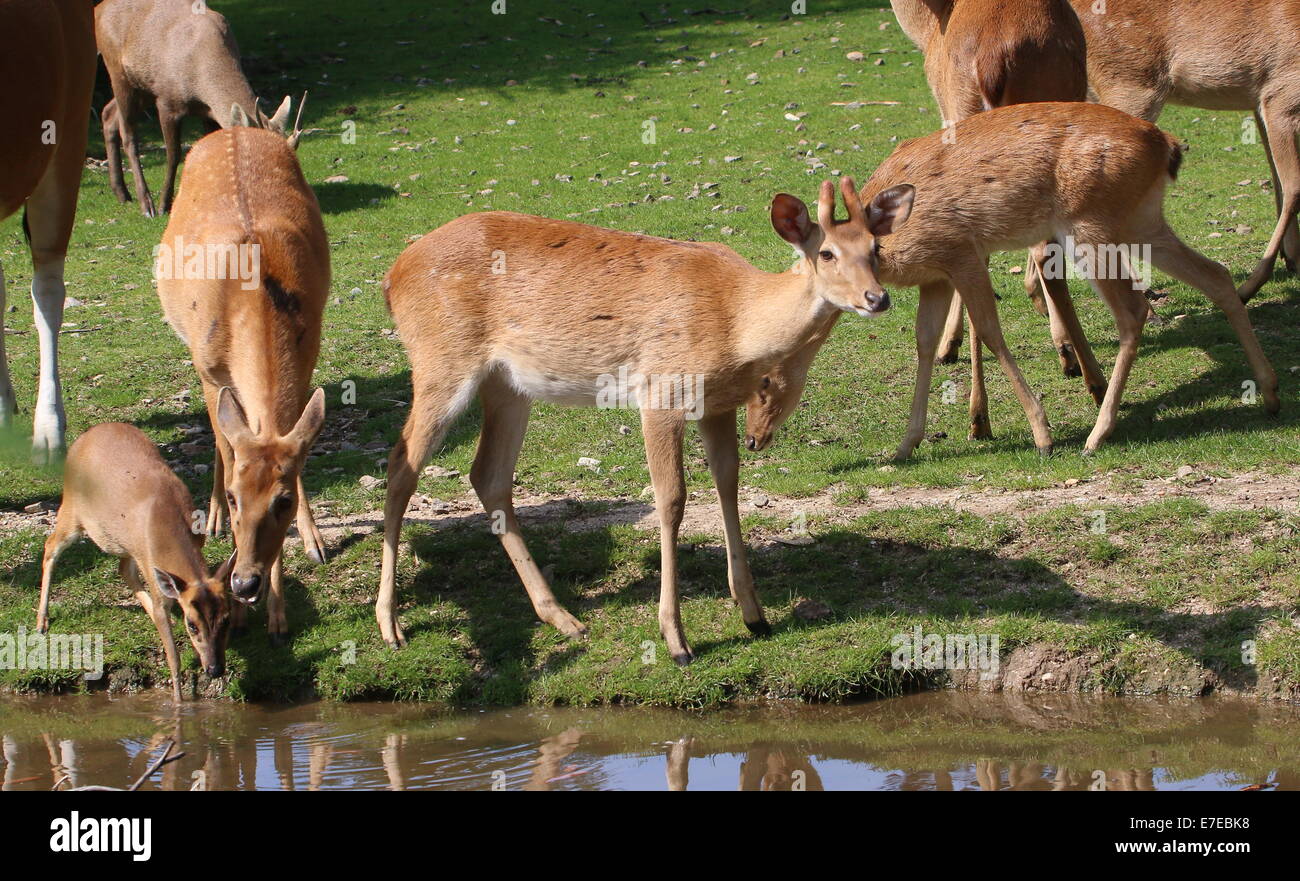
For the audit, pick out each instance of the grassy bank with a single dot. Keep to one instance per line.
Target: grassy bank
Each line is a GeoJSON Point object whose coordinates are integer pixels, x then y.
{"type": "Point", "coordinates": [454, 110]}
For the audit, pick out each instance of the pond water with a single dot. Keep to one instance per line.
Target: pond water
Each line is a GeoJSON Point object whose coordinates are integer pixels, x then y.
{"type": "Point", "coordinates": [930, 741]}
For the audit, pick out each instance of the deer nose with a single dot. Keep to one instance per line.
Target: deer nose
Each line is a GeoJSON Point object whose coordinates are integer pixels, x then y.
{"type": "Point", "coordinates": [877, 302]}
{"type": "Point", "coordinates": [246, 589]}
{"type": "Point", "coordinates": [751, 443]}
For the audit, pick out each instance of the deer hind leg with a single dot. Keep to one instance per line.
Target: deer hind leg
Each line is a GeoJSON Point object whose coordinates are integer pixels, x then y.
{"type": "Point", "coordinates": [505, 420]}
{"type": "Point", "coordinates": [976, 290]}
{"type": "Point", "coordinates": [1282, 120]}
{"type": "Point", "coordinates": [664, 431]}
{"type": "Point", "coordinates": [1068, 331]}
{"type": "Point", "coordinates": [719, 435]}
{"type": "Point", "coordinates": [1291, 242]}
{"type": "Point", "coordinates": [128, 111]}
{"type": "Point", "coordinates": [950, 346]}
{"type": "Point", "coordinates": [931, 311]}
{"type": "Point", "coordinates": [1172, 255]}
{"type": "Point", "coordinates": [979, 399]}
{"type": "Point", "coordinates": [157, 610]}
{"type": "Point", "coordinates": [108, 119]}
{"type": "Point", "coordinates": [436, 402]}
{"type": "Point", "coordinates": [8, 405]}
{"type": "Point", "coordinates": [66, 532]}
{"type": "Point", "coordinates": [313, 544]}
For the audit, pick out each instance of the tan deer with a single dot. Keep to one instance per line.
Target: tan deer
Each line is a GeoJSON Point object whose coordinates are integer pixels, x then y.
{"type": "Point", "coordinates": [516, 308]}
{"type": "Point", "coordinates": [250, 311]}
{"type": "Point", "coordinates": [1082, 173]}
{"type": "Point", "coordinates": [1238, 55]}
{"type": "Point", "coordinates": [47, 68]}
{"type": "Point", "coordinates": [119, 492]}
{"type": "Point", "coordinates": [180, 55]}
{"type": "Point", "coordinates": [981, 54]}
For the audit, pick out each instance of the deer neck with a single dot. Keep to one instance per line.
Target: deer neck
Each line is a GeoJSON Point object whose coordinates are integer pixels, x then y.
{"type": "Point", "coordinates": [779, 313]}
{"type": "Point", "coordinates": [171, 542]}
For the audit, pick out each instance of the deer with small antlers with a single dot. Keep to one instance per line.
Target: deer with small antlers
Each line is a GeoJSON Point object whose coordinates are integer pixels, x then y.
{"type": "Point", "coordinates": [181, 56]}
{"type": "Point", "coordinates": [45, 117]}
{"type": "Point", "coordinates": [1088, 175]}
{"type": "Point", "coordinates": [250, 312]}
{"type": "Point", "coordinates": [119, 492]}
{"type": "Point", "coordinates": [981, 54]}
{"type": "Point", "coordinates": [1239, 55]}
{"type": "Point", "coordinates": [516, 308]}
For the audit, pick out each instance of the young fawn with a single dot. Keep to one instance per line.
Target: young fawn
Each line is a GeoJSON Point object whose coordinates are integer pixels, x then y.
{"type": "Point", "coordinates": [518, 308]}
{"type": "Point", "coordinates": [981, 54]}
{"type": "Point", "coordinates": [250, 314]}
{"type": "Point", "coordinates": [1239, 55]}
{"type": "Point", "coordinates": [118, 492]}
{"type": "Point", "coordinates": [1081, 173]}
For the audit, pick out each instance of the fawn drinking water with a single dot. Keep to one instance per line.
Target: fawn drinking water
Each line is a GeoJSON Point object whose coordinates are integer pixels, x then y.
{"type": "Point", "coordinates": [119, 492]}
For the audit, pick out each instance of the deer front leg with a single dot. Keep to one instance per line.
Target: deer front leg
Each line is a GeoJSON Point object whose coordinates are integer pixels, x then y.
{"type": "Point", "coordinates": [664, 430]}
{"type": "Point", "coordinates": [127, 113]}
{"type": "Point", "coordinates": [313, 544]}
{"type": "Point", "coordinates": [64, 534]}
{"type": "Point", "coordinates": [931, 311]}
{"type": "Point", "coordinates": [169, 119]}
{"type": "Point", "coordinates": [223, 456]}
{"type": "Point", "coordinates": [1130, 310]}
{"type": "Point", "coordinates": [158, 612]}
{"type": "Point", "coordinates": [113, 150]}
{"type": "Point", "coordinates": [277, 627]}
{"type": "Point", "coordinates": [719, 434]}
{"type": "Point", "coordinates": [1291, 243]}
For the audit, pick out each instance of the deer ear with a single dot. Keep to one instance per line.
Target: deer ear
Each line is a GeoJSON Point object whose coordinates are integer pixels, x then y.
{"type": "Point", "coordinates": [230, 417]}
{"type": "Point", "coordinates": [222, 574]}
{"type": "Point", "coordinates": [280, 118]}
{"type": "Point", "coordinates": [238, 116]}
{"type": "Point", "coordinates": [890, 209]}
{"type": "Point", "coordinates": [168, 584]}
{"type": "Point", "coordinates": [310, 422]}
{"type": "Point", "coordinates": [790, 219]}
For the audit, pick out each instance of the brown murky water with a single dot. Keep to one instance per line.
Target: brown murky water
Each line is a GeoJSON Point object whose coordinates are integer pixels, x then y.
{"type": "Point", "coordinates": [933, 741]}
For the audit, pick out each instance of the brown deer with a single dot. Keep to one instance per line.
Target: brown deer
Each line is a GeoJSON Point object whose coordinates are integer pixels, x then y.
{"type": "Point", "coordinates": [1083, 173]}
{"type": "Point", "coordinates": [250, 310]}
{"type": "Point", "coordinates": [515, 308]}
{"type": "Point", "coordinates": [981, 54]}
{"type": "Point", "coordinates": [180, 55]}
{"type": "Point", "coordinates": [47, 66]}
{"type": "Point", "coordinates": [1239, 55]}
{"type": "Point", "coordinates": [120, 493]}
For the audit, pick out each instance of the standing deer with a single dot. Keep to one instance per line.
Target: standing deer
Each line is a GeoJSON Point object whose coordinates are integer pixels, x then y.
{"type": "Point", "coordinates": [1086, 174]}
{"type": "Point", "coordinates": [120, 493]}
{"type": "Point", "coordinates": [1239, 55]}
{"type": "Point", "coordinates": [250, 312]}
{"type": "Point", "coordinates": [182, 56]}
{"type": "Point", "coordinates": [981, 54]}
{"type": "Point", "coordinates": [47, 66]}
{"type": "Point", "coordinates": [516, 308]}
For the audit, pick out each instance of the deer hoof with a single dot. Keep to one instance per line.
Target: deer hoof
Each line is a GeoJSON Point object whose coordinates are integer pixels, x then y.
{"type": "Point", "coordinates": [683, 659]}
{"type": "Point", "coordinates": [759, 627]}
{"type": "Point", "coordinates": [277, 640]}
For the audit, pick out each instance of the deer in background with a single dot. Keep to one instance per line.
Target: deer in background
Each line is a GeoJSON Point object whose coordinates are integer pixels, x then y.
{"type": "Point", "coordinates": [47, 65]}
{"type": "Point", "coordinates": [1081, 173]}
{"type": "Point", "coordinates": [516, 308]}
{"type": "Point", "coordinates": [182, 56]}
{"type": "Point", "coordinates": [981, 54]}
{"type": "Point", "coordinates": [120, 493]}
{"type": "Point", "coordinates": [254, 335]}
{"type": "Point", "coordinates": [1240, 55]}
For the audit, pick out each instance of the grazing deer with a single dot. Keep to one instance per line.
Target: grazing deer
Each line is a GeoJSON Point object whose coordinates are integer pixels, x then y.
{"type": "Point", "coordinates": [47, 66]}
{"type": "Point", "coordinates": [182, 56]}
{"type": "Point", "coordinates": [992, 53]}
{"type": "Point", "coordinates": [1240, 55]}
{"type": "Point", "coordinates": [517, 308]}
{"type": "Point", "coordinates": [1086, 174]}
{"type": "Point", "coordinates": [120, 493]}
{"type": "Point", "coordinates": [251, 315]}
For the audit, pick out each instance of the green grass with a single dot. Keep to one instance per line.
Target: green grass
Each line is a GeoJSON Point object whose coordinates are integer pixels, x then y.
{"type": "Point", "coordinates": [458, 110]}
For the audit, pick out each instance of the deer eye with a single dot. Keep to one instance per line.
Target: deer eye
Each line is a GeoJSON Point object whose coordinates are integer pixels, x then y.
{"type": "Point", "coordinates": [827, 255]}
{"type": "Point", "coordinates": [189, 625]}
{"type": "Point", "coordinates": [280, 504]}
{"type": "Point", "coordinates": [767, 380]}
